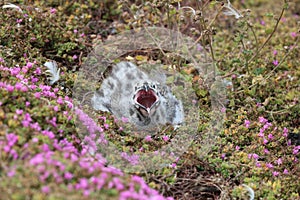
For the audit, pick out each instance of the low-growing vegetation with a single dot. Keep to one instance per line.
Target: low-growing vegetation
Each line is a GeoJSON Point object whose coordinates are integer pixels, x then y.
{"type": "Point", "coordinates": [253, 44]}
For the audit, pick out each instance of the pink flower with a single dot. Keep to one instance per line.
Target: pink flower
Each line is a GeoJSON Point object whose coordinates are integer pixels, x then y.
{"type": "Point", "coordinates": [173, 165]}
{"type": "Point", "coordinates": [19, 112]}
{"type": "Point", "coordinates": [148, 138]}
{"type": "Point", "coordinates": [269, 165]}
{"type": "Point", "coordinates": [285, 171]}
{"type": "Point", "coordinates": [38, 71]}
{"type": "Point", "coordinates": [266, 151]}
{"type": "Point", "coordinates": [60, 100]}
{"type": "Point", "coordinates": [223, 156]}
{"type": "Point", "coordinates": [279, 161]}
{"type": "Point", "coordinates": [37, 95]}
{"type": "Point", "coordinates": [296, 150]}
{"type": "Point", "coordinates": [29, 65]}
{"type": "Point", "coordinates": [55, 108]}
{"type": "Point", "coordinates": [270, 136]}
{"type": "Point", "coordinates": [275, 62]}
{"type": "Point", "coordinates": [11, 173]}
{"type": "Point", "coordinates": [45, 189]}
{"type": "Point", "coordinates": [27, 103]}
{"type": "Point", "coordinates": [255, 156]}
{"type": "Point", "coordinates": [10, 88]}
{"type": "Point", "coordinates": [275, 173]}
{"type": "Point", "coordinates": [257, 164]}
{"type": "Point", "coordinates": [293, 34]}
{"type": "Point", "coordinates": [68, 175]}
{"type": "Point", "coordinates": [262, 120]}
{"type": "Point", "coordinates": [247, 123]}
{"type": "Point", "coordinates": [165, 138]}
{"type": "Point", "coordinates": [275, 52]}
{"type": "Point", "coordinates": [74, 57]}
{"type": "Point", "coordinates": [285, 132]}
{"type": "Point", "coordinates": [237, 148]}
{"type": "Point", "coordinates": [53, 11]}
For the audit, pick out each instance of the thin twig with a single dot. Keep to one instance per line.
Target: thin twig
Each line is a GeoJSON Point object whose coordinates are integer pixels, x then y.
{"type": "Point", "coordinates": [269, 37]}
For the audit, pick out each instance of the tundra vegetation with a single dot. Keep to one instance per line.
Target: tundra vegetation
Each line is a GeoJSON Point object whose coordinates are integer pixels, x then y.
{"type": "Point", "coordinates": [254, 45]}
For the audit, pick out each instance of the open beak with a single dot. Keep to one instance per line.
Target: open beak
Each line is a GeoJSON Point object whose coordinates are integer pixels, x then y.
{"type": "Point", "coordinates": [146, 100]}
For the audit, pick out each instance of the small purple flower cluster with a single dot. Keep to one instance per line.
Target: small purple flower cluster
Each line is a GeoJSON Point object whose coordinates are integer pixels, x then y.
{"type": "Point", "coordinates": [269, 137]}
{"type": "Point", "coordinates": [55, 160]}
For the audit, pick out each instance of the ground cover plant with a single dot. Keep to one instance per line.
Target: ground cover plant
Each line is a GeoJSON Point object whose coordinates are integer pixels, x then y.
{"type": "Point", "coordinates": [254, 45]}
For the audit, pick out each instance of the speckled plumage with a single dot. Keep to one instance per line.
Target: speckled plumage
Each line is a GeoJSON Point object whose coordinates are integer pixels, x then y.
{"type": "Point", "coordinates": [117, 92]}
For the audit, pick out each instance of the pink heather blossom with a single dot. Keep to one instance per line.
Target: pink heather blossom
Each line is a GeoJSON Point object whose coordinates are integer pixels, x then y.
{"type": "Point", "coordinates": [269, 165]}
{"type": "Point", "coordinates": [223, 156]}
{"type": "Point", "coordinates": [258, 164]}
{"type": "Point", "coordinates": [53, 10]}
{"type": "Point", "coordinates": [275, 62]}
{"type": "Point", "coordinates": [106, 126]}
{"type": "Point", "coordinates": [133, 159]}
{"type": "Point", "coordinates": [262, 22]}
{"type": "Point", "coordinates": [37, 159]}
{"type": "Point", "coordinates": [296, 150]}
{"type": "Point", "coordinates": [223, 110]}
{"type": "Point", "coordinates": [27, 103]}
{"type": "Point", "coordinates": [19, 112]}
{"type": "Point", "coordinates": [247, 123]}
{"type": "Point", "coordinates": [83, 183]}
{"type": "Point", "coordinates": [262, 120]}
{"type": "Point", "coordinates": [270, 137]}
{"type": "Point", "coordinates": [285, 132]}
{"type": "Point", "coordinates": [34, 79]}
{"type": "Point", "coordinates": [250, 155]}
{"type": "Point", "coordinates": [275, 173]}
{"type": "Point", "coordinates": [261, 132]}
{"type": "Point", "coordinates": [68, 175]}
{"type": "Point", "coordinates": [37, 95]}
{"type": "Point", "coordinates": [60, 100]}
{"type": "Point", "coordinates": [29, 65]}
{"type": "Point", "coordinates": [275, 52]}
{"type": "Point", "coordinates": [55, 90]}
{"type": "Point", "coordinates": [55, 108]}
{"type": "Point", "coordinates": [15, 71]}
{"type": "Point", "coordinates": [74, 57]}
{"type": "Point", "coordinates": [14, 154]}
{"type": "Point", "coordinates": [293, 34]}
{"type": "Point", "coordinates": [285, 171]}
{"type": "Point", "coordinates": [148, 138]}
{"type": "Point", "coordinates": [11, 173]}
{"type": "Point", "coordinates": [266, 151]}
{"type": "Point", "coordinates": [265, 141]}
{"type": "Point", "coordinates": [279, 161]}
{"type": "Point", "coordinates": [237, 148]}
{"type": "Point", "coordinates": [10, 88]}
{"type": "Point", "coordinates": [38, 71]}
{"type": "Point", "coordinates": [46, 189]}
{"type": "Point", "coordinates": [11, 139]}
{"type": "Point", "coordinates": [165, 138]}
{"type": "Point", "coordinates": [255, 156]}
{"type": "Point", "coordinates": [173, 165]}
{"type": "Point", "coordinates": [35, 140]}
